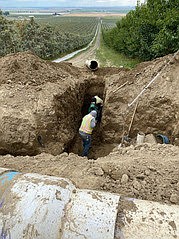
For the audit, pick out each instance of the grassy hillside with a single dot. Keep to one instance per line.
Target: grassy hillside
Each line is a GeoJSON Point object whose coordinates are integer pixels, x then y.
{"type": "Point", "coordinates": [109, 57]}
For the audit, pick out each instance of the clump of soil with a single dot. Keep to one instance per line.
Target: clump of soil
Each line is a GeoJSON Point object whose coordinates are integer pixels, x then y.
{"type": "Point", "coordinates": [41, 107]}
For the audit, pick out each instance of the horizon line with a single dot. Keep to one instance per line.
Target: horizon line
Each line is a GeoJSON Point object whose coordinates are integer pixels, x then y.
{"type": "Point", "coordinates": [71, 6]}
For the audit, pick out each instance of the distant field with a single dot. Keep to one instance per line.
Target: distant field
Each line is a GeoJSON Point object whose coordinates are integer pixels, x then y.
{"type": "Point", "coordinates": [97, 14]}
{"type": "Point", "coordinates": [83, 26]}
{"type": "Point", "coordinates": [109, 22]}
{"type": "Point", "coordinates": [74, 30]}
{"type": "Point", "coordinates": [50, 15]}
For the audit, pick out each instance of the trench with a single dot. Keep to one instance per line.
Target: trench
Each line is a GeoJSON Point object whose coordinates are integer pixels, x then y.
{"type": "Point", "coordinates": [71, 106]}
{"type": "Point", "coordinates": [98, 148]}
{"type": "Point", "coordinates": [57, 126]}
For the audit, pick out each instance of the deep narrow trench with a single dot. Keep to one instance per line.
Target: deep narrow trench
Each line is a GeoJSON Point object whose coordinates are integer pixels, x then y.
{"type": "Point", "coordinates": [55, 128]}
{"type": "Point", "coordinates": [92, 88]}
{"type": "Point", "coordinates": [72, 105]}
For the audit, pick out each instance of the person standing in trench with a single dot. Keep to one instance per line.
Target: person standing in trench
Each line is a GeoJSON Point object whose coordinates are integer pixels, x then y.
{"type": "Point", "coordinates": [87, 125]}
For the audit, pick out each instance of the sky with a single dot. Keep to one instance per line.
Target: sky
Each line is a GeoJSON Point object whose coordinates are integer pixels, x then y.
{"type": "Point", "coordinates": [66, 3]}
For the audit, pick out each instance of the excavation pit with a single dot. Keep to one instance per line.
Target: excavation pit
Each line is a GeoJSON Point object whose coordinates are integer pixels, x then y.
{"type": "Point", "coordinates": [41, 113]}
{"type": "Point", "coordinates": [98, 148]}
{"type": "Point", "coordinates": [41, 110]}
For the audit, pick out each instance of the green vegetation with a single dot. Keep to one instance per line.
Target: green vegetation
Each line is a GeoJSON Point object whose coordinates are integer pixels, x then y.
{"type": "Point", "coordinates": [108, 23]}
{"type": "Point", "coordinates": [150, 31]}
{"type": "Point", "coordinates": [75, 25]}
{"type": "Point", "coordinates": [109, 57]}
{"type": "Point", "coordinates": [45, 37]}
{"type": "Point", "coordinates": [9, 38]}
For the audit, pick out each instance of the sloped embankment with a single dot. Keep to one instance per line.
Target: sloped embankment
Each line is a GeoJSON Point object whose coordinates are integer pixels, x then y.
{"type": "Point", "coordinates": [158, 107]}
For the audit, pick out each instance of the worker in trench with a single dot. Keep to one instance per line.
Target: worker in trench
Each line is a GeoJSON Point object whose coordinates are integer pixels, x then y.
{"type": "Point", "coordinates": [97, 105]}
{"type": "Point", "coordinates": [86, 129]}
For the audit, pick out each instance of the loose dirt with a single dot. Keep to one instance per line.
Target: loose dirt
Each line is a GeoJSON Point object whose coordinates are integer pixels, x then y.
{"type": "Point", "coordinates": [41, 107]}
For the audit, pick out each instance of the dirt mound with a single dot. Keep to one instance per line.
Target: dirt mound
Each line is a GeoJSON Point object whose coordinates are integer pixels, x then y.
{"type": "Point", "coordinates": [26, 68]}
{"type": "Point", "coordinates": [31, 90]}
{"type": "Point", "coordinates": [146, 171]}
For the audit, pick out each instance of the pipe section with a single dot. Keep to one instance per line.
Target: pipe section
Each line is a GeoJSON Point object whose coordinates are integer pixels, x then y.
{"type": "Point", "coordinates": [34, 206]}
{"type": "Point", "coordinates": [43, 207]}
{"type": "Point", "coordinates": [92, 64]}
{"type": "Point", "coordinates": [145, 219]}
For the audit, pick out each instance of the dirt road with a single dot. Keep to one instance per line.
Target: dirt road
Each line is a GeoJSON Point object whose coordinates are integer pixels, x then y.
{"type": "Point", "coordinates": [89, 54]}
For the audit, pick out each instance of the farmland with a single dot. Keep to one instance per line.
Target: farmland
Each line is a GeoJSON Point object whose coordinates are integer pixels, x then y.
{"type": "Point", "coordinates": [81, 26]}
{"type": "Point", "coordinates": [49, 37]}
{"type": "Point", "coordinates": [109, 22]}
{"type": "Point", "coordinates": [52, 33]}
{"type": "Point", "coordinates": [74, 32]}
{"type": "Point", "coordinates": [53, 36]}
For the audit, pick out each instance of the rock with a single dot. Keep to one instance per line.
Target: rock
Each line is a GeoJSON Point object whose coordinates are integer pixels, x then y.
{"type": "Point", "coordinates": [64, 154]}
{"type": "Point", "coordinates": [147, 172]}
{"type": "Point", "coordinates": [174, 198]}
{"type": "Point", "coordinates": [136, 185]}
{"type": "Point", "coordinates": [97, 171]}
{"type": "Point", "coordinates": [150, 138]}
{"type": "Point", "coordinates": [124, 178]}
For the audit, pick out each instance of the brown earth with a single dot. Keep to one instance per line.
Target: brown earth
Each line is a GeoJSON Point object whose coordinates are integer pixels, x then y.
{"type": "Point", "coordinates": [42, 104]}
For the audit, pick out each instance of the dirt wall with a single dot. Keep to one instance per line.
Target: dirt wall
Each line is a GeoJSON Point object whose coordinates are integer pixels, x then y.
{"type": "Point", "coordinates": [158, 107]}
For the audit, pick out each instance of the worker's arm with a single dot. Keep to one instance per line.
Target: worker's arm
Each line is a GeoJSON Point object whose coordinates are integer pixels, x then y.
{"type": "Point", "coordinates": [93, 123]}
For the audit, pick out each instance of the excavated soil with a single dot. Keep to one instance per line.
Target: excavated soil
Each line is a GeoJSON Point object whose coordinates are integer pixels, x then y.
{"type": "Point", "coordinates": [41, 107]}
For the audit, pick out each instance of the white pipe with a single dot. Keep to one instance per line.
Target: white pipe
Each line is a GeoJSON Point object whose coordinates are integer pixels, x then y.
{"type": "Point", "coordinates": [42, 207]}
{"type": "Point", "coordinates": [92, 64]}
{"type": "Point", "coordinates": [150, 220]}
{"type": "Point", "coordinates": [34, 206]}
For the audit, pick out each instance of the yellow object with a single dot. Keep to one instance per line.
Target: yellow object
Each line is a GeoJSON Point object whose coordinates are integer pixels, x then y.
{"type": "Point", "coordinates": [86, 124]}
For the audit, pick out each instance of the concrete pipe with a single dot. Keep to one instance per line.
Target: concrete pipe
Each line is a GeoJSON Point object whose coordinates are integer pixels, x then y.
{"type": "Point", "coordinates": [145, 219]}
{"type": "Point", "coordinates": [34, 206]}
{"type": "Point", "coordinates": [92, 64]}
{"type": "Point", "coordinates": [41, 207]}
